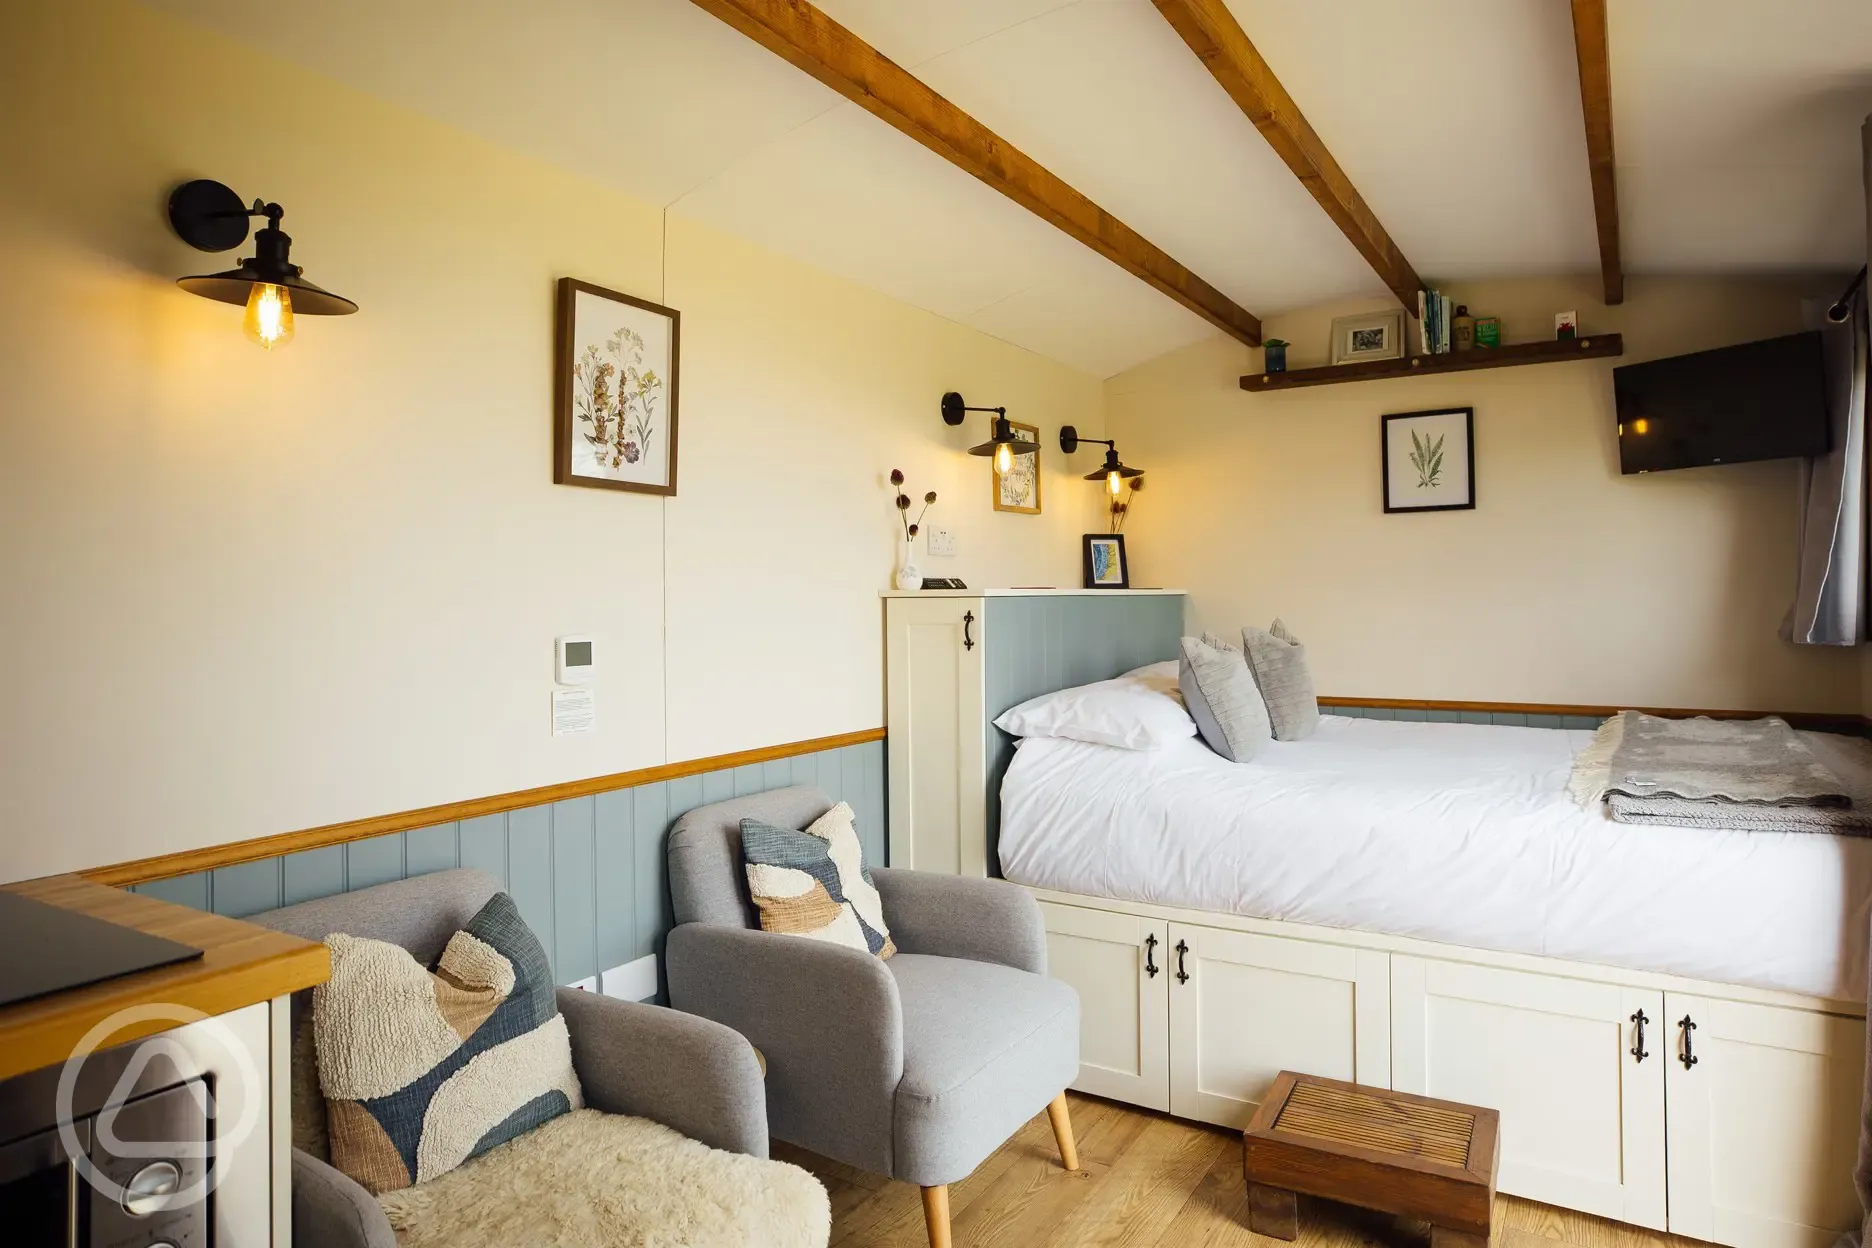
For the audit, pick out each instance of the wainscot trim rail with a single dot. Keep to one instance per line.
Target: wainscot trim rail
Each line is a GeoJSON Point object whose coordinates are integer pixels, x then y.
{"type": "Point", "coordinates": [163, 866]}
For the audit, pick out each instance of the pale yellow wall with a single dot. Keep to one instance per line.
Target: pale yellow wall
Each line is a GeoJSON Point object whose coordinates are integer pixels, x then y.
{"type": "Point", "coordinates": [244, 593]}
{"type": "Point", "coordinates": [1568, 583]}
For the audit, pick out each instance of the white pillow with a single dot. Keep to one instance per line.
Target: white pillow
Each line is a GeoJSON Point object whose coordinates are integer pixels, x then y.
{"type": "Point", "coordinates": [1133, 712]}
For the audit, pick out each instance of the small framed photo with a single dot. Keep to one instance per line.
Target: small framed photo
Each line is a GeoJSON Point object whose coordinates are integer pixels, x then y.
{"type": "Point", "coordinates": [1370, 336]}
{"type": "Point", "coordinates": [1018, 489]}
{"type": "Point", "coordinates": [615, 377]}
{"type": "Point", "coordinates": [1105, 566]}
{"type": "Point", "coordinates": [1429, 460]}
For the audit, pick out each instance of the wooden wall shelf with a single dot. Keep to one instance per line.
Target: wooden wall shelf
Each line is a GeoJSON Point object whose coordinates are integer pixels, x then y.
{"type": "Point", "coordinates": [1587, 347]}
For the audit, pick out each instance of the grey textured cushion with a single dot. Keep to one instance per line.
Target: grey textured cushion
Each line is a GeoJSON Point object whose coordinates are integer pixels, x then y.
{"type": "Point", "coordinates": [1219, 690]}
{"type": "Point", "coordinates": [707, 881]}
{"type": "Point", "coordinates": [1280, 670]}
{"type": "Point", "coordinates": [985, 1048]}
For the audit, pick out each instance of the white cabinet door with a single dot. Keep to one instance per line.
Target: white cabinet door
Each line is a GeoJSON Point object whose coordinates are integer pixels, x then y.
{"type": "Point", "coordinates": [1245, 1007]}
{"type": "Point", "coordinates": [937, 743]}
{"type": "Point", "coordinates": [1764, 1123]}
{"type": "Point", "coordinates": [1582, 1116]}
{"type": "Point", "coordinates": [1116, 962]}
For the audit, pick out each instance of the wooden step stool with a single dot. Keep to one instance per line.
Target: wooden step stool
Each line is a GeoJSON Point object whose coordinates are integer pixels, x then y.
{"type": "Point", "coordinates": [1388, 1151]}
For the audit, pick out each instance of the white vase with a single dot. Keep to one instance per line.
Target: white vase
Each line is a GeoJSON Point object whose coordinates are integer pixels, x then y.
{"type": "Point", "coordinates": [909, 576]}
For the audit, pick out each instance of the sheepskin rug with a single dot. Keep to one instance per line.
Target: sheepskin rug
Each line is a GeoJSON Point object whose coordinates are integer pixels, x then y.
{"type": "Point", "coordinates": [592, 1180]}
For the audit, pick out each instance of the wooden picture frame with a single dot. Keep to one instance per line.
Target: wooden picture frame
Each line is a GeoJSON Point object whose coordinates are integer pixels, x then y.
{"type": "Point", "coordinates": [616, 369]}
{"type": "Point", "coordinates": [1019, 490]}
{"type": "Point", "coordinates": [1104, 561]}
{"type": "Point", "coordinates": [1423, 474]}
{"type": "Point", "coordinates": [1368, 336]}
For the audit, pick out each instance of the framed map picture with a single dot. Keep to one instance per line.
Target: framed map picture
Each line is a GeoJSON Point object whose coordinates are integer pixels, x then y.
{"type": "Point", "coordinates": [616, 372]}
{"type": "Point", "coordinates": [1429, 460]}
{"type": "Point", "coordinates": [1018, 489]}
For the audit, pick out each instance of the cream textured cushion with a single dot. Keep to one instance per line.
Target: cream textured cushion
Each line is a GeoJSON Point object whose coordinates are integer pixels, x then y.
{"type": "Point", "coordinates": [815, 883]}
{"type": "Point", "coordinates": [592, 1180]}
{"type": "Point", "coordinates": [1280, 670]}
{"type": "Point", "coordinates": [421, 1069]}
{"type": "Point", "coordinates": [1220, 692]}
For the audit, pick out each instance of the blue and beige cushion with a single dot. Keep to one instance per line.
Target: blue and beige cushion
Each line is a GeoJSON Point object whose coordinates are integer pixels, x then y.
{"type": "Point", "coordinates": [815, 883]}
{"type": "Point", "coordinates": [421, 1069]}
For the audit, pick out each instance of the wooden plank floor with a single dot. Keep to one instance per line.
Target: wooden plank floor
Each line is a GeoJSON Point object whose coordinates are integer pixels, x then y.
{"type": "Point", "coordinates": [1148, 1180]}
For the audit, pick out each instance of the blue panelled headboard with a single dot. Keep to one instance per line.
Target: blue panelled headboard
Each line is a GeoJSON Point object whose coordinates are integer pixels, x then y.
{"type": "Point", "coordinates": [1043, 642]}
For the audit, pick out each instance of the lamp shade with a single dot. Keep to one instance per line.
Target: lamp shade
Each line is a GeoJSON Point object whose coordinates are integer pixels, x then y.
{"type": "Point", "coordinates": [1112, 465]}
{"type": "Point", "coordinates": [236, 286]}
{"type": "Point", "coordinates": [1004, 435]}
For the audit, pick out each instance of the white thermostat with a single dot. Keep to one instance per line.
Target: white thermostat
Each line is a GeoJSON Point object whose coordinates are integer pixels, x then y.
{"type": "Point", "coordinates": [574, 662]}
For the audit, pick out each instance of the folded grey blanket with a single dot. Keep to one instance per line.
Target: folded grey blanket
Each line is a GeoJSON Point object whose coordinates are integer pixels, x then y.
{"type": "Point", "coordinates": [1744, 775]}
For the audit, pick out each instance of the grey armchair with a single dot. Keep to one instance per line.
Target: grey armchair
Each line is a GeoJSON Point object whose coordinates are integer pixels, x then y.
{"type": "Point", "coordinates": [689, 1074]}
{"type": "Point", "coordinates": [917, 1067]}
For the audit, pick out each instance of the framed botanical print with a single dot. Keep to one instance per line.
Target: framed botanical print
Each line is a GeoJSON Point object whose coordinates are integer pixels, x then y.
{"type": "Point", "coordinates": [1018, 489]}
{"type": "Point", "coordinates": [1105, 566]}
{"type": "Point", "coordinates": [1428, 460]}
{"type": "Point", "coordinates": [615, 378]}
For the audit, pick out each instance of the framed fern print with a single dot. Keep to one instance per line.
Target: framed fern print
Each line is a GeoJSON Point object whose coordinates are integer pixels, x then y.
{"type": "Point", "coordinates": [615, 423]}
{"type": "Point", "coordinates": [1429, 460]}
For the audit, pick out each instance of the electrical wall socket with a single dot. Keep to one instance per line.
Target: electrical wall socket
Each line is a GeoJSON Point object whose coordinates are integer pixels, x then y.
{"type": "Point", "coordinates": [633, 981]}
{"type": "Point", "coordinates": [942, 544]}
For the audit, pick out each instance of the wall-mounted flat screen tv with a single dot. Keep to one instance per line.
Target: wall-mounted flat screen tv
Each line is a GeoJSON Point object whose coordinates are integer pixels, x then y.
{"type": "Point", "coordinates": [1761, 400]}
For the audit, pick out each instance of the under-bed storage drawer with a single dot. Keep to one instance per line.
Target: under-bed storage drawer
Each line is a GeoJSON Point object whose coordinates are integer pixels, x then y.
{"type": "Point", "coordinates": [1116, 962]}
{"type": "Point", "coordinates": [1582, 1114]}
{"type": "Point", "coordinates": [1244, 1007]}
{"type": "Point", "coordinates": [1763, 1121]}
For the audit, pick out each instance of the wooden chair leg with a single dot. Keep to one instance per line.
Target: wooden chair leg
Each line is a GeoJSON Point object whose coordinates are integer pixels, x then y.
{"type": "Point", "coordinates": [936, 1215]}
{"type": "Point", "coordinates": [1061, 1118]}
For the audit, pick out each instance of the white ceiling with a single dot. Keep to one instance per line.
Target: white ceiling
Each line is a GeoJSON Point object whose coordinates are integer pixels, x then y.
{"type": "Point", "coordinates": [1458, 121]}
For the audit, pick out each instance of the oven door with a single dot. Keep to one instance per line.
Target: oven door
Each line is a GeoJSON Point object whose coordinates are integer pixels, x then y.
{"type": "Point", "coordinates": [39, 1192]}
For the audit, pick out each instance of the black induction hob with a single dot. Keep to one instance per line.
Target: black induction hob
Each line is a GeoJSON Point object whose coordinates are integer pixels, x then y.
{"type": "Point", "coordinates": [44, 949]}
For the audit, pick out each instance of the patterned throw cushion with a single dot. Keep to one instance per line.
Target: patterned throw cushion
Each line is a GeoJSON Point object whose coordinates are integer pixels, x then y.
{"type": "Point", "coordinates": [815, 883]}
{"type": "Point", "coordinates": [422, 1070]}
{"type": "Point", "coordinates": [1280, 670]}
{"type": "Point", "coordinates": [1220, 693]}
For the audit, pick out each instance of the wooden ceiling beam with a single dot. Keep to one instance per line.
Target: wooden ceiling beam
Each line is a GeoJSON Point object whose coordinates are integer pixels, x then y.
{"type": "Point", "coordinates": [1214, 35]}
{"type": "Point", "coordinates": [811, 41]}
{"type": "Point", "coordinates": [1595, 82]}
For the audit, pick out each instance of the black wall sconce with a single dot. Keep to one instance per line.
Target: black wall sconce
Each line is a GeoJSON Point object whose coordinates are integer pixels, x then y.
{"type": "Point", "coordinates": [1004, 445]}
{"type": "Point", "coordinates": [1114, 474]}
{"type": "Point", "coordinates": [209, 216]}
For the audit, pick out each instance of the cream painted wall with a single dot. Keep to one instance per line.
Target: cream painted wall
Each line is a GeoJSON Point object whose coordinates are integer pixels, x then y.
{"type": "Point", "coordinates": [246, 593]}
{"type": "Point", "coordinates": [1568, 583]}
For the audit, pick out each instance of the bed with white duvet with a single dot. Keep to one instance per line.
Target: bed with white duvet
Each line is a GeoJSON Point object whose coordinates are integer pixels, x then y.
{"type": "Point", "coordinates": [1458, 833]}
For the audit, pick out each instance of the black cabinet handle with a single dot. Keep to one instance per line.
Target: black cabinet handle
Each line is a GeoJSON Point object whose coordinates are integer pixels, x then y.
{"type": "Point", "coordinates": [1182, 947]}
{"type": "Point", "coordinates": [968, 618]}
{"type": "Point", "coordinates": [1150, 954]}
{"type": "Point", "coordinates": [1637, 1048]}
{"type": "Point", "coordinates": [1688, 1057]}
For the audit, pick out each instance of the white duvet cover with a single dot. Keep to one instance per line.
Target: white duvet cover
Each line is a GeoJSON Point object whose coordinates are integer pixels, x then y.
{"type": "Point", "coordinates": [1459, 833]}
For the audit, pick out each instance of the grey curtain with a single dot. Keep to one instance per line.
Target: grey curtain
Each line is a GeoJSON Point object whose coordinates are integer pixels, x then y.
{"type": "Point", "coordinates": [1830, 596]}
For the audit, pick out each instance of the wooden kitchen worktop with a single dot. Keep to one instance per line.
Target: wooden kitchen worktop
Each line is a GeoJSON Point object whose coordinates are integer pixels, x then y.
{"type": "Point", "coordinates": [242, 965]}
